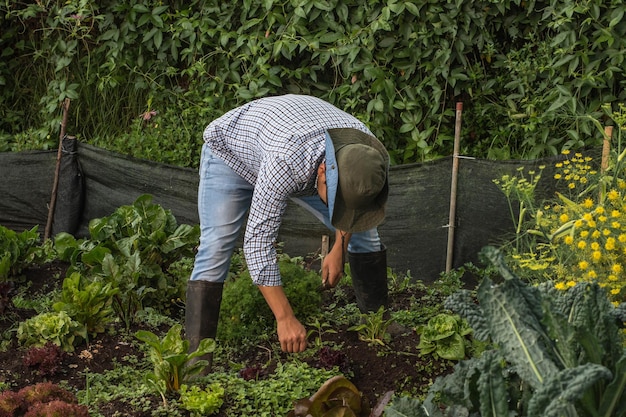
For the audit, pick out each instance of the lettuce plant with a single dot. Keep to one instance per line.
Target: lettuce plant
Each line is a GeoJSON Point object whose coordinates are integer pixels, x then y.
{"type": "Point", "coordinates": [202, 402]}
{"type": "Point", "coordinates": [55, 327]}
{"type": "Point", "coordinates": [556, 353]}
{"type": "Point", "coordinates": [44, 399]}
{"type": "Point", "coordinates": [336, 397]}
{"type": "Point", "coordinates": [444, 336]}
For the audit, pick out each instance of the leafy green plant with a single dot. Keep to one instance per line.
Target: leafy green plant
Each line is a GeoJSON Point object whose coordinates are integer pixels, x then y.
{"type": "Point", "coordinates": [202, 402]}
{"type": "Point", "coordinates": [18, 250]}
{"type": "Point", "coordinates": [244, 312]}
{"type": "Point", "coordinates": [444, 336]}
{"type": "Point", "coordinates": [55, 327]}
{"type": "Point", "coordinates": [319, 329]}
{"type": "Point", "coordinates": [373, 328]}
{"type": "Point", "coordinates": [274, 394]}
{"type": "Point", "coordinates": [556, 353]}
{"type": "Point", "coordinates": [87, 302]}
{"type": "Point", "coordinates": [133, 249]}
{"type": "Point", "coordinates": [336, 397]}
{"type": "Point", "coordinates": [173, 364]}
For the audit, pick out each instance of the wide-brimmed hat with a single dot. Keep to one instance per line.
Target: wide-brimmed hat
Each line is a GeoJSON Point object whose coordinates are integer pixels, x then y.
{"type": "Point", "coordinates": [357, 168]}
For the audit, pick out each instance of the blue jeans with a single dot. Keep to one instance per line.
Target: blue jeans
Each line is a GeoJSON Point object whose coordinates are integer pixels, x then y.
{"type": "Point", "coordinates": [223, 200]}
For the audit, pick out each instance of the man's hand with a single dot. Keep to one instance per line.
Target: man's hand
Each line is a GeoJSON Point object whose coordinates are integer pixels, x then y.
{"type": "Point", "coordinates": [332, 268]}
{"type": "Point", "coordinates": [291, 333]}
{"type": "Point", "coordinates": [333, 263]}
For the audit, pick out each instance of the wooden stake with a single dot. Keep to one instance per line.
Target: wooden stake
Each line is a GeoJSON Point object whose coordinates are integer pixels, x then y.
{"type": "Point", "coordinates": [325, 245]}
{"type": "Point", "coordinates": [606, 148]}
{"type": "Point", "coordinates": [453, 187]}
{"type": "Point", "coordinates": [55, 184]}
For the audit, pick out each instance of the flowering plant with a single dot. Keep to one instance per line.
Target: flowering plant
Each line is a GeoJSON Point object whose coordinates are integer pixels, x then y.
{"type": "Point", "coordinates": [580, 235]}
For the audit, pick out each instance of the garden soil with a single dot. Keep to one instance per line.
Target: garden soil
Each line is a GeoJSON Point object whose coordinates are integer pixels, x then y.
{"type": "Point", "coordinates": [376, 370]}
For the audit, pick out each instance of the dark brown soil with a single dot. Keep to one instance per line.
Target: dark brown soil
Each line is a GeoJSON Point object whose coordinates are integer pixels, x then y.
{"type": "Point", "coordinates": [375, 370]}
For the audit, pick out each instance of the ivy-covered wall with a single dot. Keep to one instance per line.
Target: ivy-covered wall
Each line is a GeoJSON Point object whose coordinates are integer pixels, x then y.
{"type": "Point", "coordinates": [533, 76]}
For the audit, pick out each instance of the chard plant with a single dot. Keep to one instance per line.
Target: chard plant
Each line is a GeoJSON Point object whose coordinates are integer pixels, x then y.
{"type": "Point", "coordinates": [87, 302]}
{"type": "Point", "coordinates": [133, 249]}
{"type": "Point", "coordinates": [373, 327]}
{"type": "Point", "coordinates": [555, 353]}
{"type": "Point", "coordinates": [19, 250]}
{"type": "Point", "coordinates": [172, 362]}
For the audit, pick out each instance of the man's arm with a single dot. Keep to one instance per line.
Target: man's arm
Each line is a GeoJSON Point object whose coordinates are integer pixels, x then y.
{"type": "Point", "coordinates": [291, 333]}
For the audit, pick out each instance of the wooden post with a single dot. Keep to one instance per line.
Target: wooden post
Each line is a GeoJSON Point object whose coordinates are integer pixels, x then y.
{"type": "Point", "coordinates": [325, 246]}
{"type": "Point", "coordinates": [453, 187]}
{"type": "Point", "coordinates": [55, 184]}
{"type": "Point", "coordinates": [606, 148]}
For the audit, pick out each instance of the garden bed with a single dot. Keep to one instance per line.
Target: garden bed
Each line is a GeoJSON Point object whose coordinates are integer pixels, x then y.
{"type": "Point", "coordinates": [373, 368]}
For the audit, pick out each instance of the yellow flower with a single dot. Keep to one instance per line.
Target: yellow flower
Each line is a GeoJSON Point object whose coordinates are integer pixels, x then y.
{"type": "Point", "coordinates": [583, 265]}
{"type": "Point", "coordinates": [602, 219]}
{"type": "Point", "coordinates": [616, 225]}
{"type": "Point", "coordinates": [615, 291]}
{"type": "Point", "coordinates": [571, 283]}
{"type": "Point", "coordinates": [565, 152]}
{"type": "Point", "coordinates": [615, 213]}
{"type": "Point", "coordinates": [617, 268]}
{"type": "Point", "coordinates": [588, 203]}
{"type": "Point", "coordinates": [578, 223]}
{"type": "Point", "coordinates": [595, 245]}
{"type": "Point", "coordinates": [557, 176]}
{"type": "Point", "coordinates": [587, 217]}
{"type": "Point", "coordinates": [569, 240]}
{"type": "Point", "coordinates": [592, 223]}
{"type": "Point", "coordinates": [612, 277]}
{"type": "Point", "coordinates": [606, 232]}
{"type": "Point", "coordinates": [622, 237]}
{"type": "Point", "coordinates": [595, 234]}
{"type": "Point", "coordinates": [596, 255]}
{"type": "Point", "coordinates": [584, 233]}
{"type": "Point", "coordinates": [612, 195]}
{"type": "Point", "coordinates": [582, 244]}
{"type": "Point", "coordinates": [599, 210]}
{"type": "Point", "coordinates": [610, 244]}
{"type": "Point", "coordinates": [592, 274]}
{"type": "Point", "coordinates": [571, 185]}
{"type": "Point", "coordinates": [621, 184]}
{"type": "Point", "coordinates": [560, 286]}
{"type": "Point", "coordinates": [563, 218]}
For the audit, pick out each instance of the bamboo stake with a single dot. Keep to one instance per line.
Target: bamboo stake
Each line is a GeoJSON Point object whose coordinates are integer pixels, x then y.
{"type": "Point", "coordinates": [455, 173]}
{"type": "Point", "coordinates": [55, 184]}
{"type": "Point", "coordinates": [606, 147]}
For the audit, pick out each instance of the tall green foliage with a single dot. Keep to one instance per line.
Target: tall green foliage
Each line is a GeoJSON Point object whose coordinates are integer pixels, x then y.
{"type": "Point", "coordinates": [532, 74]}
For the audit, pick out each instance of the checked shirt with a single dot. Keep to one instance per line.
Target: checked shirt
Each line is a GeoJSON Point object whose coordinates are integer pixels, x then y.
{"type": "Point", "coordinates": [275, 144]}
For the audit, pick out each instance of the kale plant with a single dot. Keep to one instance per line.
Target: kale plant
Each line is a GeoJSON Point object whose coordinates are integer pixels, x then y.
{"type": "Point", "coordinates": [556, 353]}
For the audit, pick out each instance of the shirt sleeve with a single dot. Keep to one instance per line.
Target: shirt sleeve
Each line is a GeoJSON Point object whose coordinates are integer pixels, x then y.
{"type": "Point", "coordinates": [275, 182]}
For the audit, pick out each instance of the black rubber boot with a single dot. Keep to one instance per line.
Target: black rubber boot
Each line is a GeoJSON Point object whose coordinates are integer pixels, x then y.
{"type": "Point", "coordinates": [369, 279]}
{"type": "Point", "coordinates": [201, 315]}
